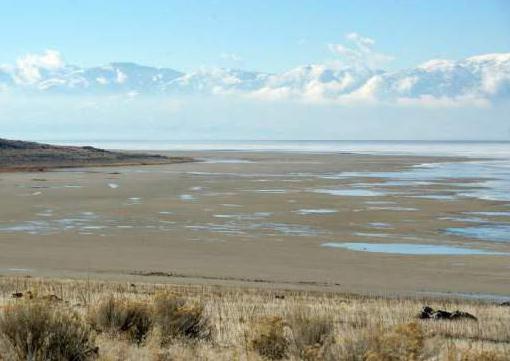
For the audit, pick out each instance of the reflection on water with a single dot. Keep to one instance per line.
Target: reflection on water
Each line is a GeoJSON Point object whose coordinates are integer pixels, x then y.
{"type": "Point", "coordinates": [411, 249]}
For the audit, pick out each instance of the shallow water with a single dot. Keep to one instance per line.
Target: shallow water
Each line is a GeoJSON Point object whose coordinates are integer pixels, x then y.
{"type": "Point", "coordinates": [486, 232]}
{"type": "Point", "coordinates": [488, 179]}
{"type": "Point", "coordinates": [306, 212]}
{"type": "Point", "coordinates": [225, 161]}
{"type": "Point", "coordinates": [494, 213]}
{"type": "Point", "coordinates": [411, 249]}
{"type": "Point", "coordinates": [351, 192]}
{"type": "Point", "coordinates": [187, 197]}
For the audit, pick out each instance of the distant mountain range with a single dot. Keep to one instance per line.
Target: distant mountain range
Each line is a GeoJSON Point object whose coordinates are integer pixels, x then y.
{"type": "Point", "coordinates": [478, 78]}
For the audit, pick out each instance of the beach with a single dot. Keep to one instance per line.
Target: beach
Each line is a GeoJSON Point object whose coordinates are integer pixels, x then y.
{"type": "Point", "coordinates": [299, 220]}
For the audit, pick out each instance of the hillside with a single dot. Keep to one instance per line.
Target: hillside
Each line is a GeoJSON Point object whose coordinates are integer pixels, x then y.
{"type": "Point", "coordinates": [20, 155]}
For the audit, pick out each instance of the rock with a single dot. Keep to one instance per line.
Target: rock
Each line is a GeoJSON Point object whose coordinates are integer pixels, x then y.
{"type": "Point", "coordinates": [27, 294]}
{"type": "Point", "coordinates": [428, 313]}
{"type": "Point", "coordinates": [441, 315]}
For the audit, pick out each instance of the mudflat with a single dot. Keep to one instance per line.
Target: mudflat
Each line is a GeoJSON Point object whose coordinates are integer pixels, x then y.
{"type": "Point", "coordinates": [298, 220]}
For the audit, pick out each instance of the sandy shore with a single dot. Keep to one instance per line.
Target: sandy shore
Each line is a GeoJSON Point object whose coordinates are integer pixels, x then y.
{"type": "Point", "coordinates": [245, 218]}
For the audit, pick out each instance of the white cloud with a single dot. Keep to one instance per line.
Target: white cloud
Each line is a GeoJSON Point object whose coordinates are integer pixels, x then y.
{"type": "Point", "coordinates": [444, 102]}
{"type": "Point", "coordinates": [360, 52]}
{"type": "Point", "coordinates": [120, 77]}
{"type": "Point", "coordinates": [28, 67]}
{"type": "Point", "coordinates": [231, 57]}
{"type": "Point", "coordinates": [102, 80]}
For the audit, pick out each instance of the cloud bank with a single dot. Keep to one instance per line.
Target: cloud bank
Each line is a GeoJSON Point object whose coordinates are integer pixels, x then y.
{"type": "Point", "coordinates": [357, 77]}
{"type": "Point", "coordinates": [353, 97]}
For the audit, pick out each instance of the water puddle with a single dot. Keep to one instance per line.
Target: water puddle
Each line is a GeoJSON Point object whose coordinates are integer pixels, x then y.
{"type": "Point", "coordinates": [351, 192]}
{"type": "Point", "coordinates": [489, 232]}
{"type": "Point", "coordinates": [187, 197]}
{"type": "Point", "coordinates": [435, 196]}
{"type": "Point", "coordinates": [134, 201]}
{"type": "Point", "coordinates": [380, 225]}
{"type": "Point", "coordinates": [322, 211]}
{"type": "Point", "coordinates": [412, 249]}
{"type": "Point", "coordinates": [245, 217]}
{"type": "Point", "coordinates": [266, 228]}
{"type": "Point", "coordinates": [465, 219]}
{"type": "Point", "coordinates": [491, 214]}
{"type": "Point", "coordinates": [495, 174]}
{"type": "Point", "coordinates": [225, 161]}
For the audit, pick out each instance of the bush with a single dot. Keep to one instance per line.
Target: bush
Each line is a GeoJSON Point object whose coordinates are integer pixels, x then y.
{"type": "Point", "coordinates": [129, 318]}
{"type": "Point", "coordinates": [36, 331]}
{"type": "Point", "coordinates": [176, 319]}
{"type": "Point", "coordinates": [311, 333]}
{"type": "Point", "coordinates": [403, 343]}
{"type": "Point", "coordinates": [270, 341]}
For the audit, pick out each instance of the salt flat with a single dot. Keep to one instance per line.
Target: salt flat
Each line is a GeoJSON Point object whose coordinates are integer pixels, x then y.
{"type": "Point", "coordinates": [262, 218]}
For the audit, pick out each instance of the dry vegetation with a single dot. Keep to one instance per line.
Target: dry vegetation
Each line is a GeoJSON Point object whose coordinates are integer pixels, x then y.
{"type": "Point", "coordinates": [85, 320]}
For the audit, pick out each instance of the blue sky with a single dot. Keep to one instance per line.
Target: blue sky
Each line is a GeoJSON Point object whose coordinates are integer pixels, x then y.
{"type": "Point", "coordinates": [259, 35]}
{"type": "Point", "coordinates": [381, 69]}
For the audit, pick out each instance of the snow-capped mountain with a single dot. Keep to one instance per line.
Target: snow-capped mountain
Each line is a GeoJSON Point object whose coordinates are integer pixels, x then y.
{"type": "Point", "coordinates": [479, 77]}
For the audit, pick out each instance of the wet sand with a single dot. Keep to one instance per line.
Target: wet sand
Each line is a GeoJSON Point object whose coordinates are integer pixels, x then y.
{"type": "Point", "coordinates": [251, 218]}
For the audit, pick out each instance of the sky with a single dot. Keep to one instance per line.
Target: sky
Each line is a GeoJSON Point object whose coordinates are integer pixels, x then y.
{"type": "Point", "coordinates": [263, 35]}
{"type": "Point", "coordinates": [40, 38]}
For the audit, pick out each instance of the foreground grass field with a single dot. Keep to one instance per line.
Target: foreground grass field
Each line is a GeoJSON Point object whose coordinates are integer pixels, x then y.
{"type": "Point", "coordinates": [96, 320]}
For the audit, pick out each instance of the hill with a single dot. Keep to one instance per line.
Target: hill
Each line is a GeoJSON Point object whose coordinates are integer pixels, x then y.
{"type": "Point", "coordinates": [18, 155]}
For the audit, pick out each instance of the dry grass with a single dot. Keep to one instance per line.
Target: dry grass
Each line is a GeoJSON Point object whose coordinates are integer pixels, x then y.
{"type": "Point", "coordinates": [177, 319]}
{"type": "Point", "coordinates": [37, 331]}
{"type": "Point", "coordinates": [122, 317]}
{"type": "Point", "coordinates": [219, 323]}
{"type": "Point", "coordinates": [270, 340]}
